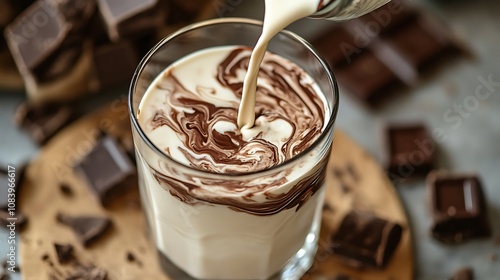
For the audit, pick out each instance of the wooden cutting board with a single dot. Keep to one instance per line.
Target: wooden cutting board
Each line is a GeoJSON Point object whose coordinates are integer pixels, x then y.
{"type": "Point", "coordinates": [355, 181]}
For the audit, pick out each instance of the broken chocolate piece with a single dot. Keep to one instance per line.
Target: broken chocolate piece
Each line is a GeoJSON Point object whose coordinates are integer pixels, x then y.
{"type": "Point", "coordinates": [464, 273]}
{"type": "Point", "coordinates": [43, 121]}
{"type": "Point", "coordinates": [337, 46]}
{"type": "Point", "coordinates": [66, 190]}
{"type": "Point", "coordinates": [107, 169]}
{"type": "Point", "coordinates": [411, 150]}
{"type": "Point", "coordinates": [418, 45]}
{"type": "Point", "coordinates": [87, 228]}
{"type": "Point", "coordinates": [114, 64]}
{"type": "Point", "coordinates": [129, 18]}
{"type": "Point", "coordinates": [389, 47]}
{"type": "Point", "coordinates": [368, 78]}
{"type": "Point", "coordinates": [45, 39]}
{"type": "Point", "coordinates": [64, 252]}
{"type": "Point", "coordinates": [130, 257]}
{"type": "Point", "coordinates": [363, 240]}
{"type": "Point", "coordinates": [458, 207]}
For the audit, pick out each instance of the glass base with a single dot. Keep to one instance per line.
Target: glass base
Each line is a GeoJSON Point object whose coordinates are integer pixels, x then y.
{"type": "Point", "coordinates": [294, 269]}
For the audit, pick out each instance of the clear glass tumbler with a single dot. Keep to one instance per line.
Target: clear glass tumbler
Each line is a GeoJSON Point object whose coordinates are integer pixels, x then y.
{"type": "Point", "coordinates": [254, 232]}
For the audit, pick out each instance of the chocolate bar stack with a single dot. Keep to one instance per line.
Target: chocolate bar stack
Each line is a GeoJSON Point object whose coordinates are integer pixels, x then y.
{"type": "Point", "coordinates": [69, 48]}
{"type": "Point", "coordinates": [387, 49]}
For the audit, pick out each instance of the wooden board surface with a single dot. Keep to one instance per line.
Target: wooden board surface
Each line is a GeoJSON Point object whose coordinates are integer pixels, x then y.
{"type": "Point", "coordinates": [359, 184]}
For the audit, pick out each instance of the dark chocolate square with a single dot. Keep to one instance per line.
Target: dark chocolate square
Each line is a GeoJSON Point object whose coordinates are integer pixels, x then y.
{"type": "Point", "coordinates": [410, 149]}
{"type": "Point", "coordinates": [364, 240]}
{"type": "Point", "coordinates": [458, 207]}
{"type": "Point", "coordinates": [107, 169]}
{"type": "Point", "coordinates": [368, 78]}
{"type": "Point", "coordinates": [43, 121]}
{"type": "Point", "coordinates": [88, 229]}
{"type": "Point", "coordinates": [417, 45]}
{"type": "Point", "coordinates": [46, 39]}
{"type": "Point", "coordinates": [337, 46]}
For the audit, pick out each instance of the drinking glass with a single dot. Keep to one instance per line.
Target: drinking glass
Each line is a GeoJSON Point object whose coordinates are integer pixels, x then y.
{"type": "Point", "coordinates": [272, 233]}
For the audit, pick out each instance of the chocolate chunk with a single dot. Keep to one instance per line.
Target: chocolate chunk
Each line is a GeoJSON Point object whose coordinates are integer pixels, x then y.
{"type": "Point", "coordinates": [130, 257]}
{"type": "Point", "coordinates": [465, 273]}
{"type": "Point", "coordinates": [337, 46]}
{"type": "Point", "coordinates": [45, 257]}
{"type": "Point", "coordinates": [87, 228]}
{"type": "Point", "coordinates": [418, 44]}
{"type": "Point", "coordinates": [107, 169]}
{"type": "Point", "coordinates": [363, 240]}
{"type": "Point", "coordinates": [410, 150]}
{"type": "Point", "coordinates": [115, 64]}
{"type": "Point", "coordinates": [43, 121]}
{"type": "Point", "coordinates": [129, 18]}
{"type": "Point", "coordinates": [368, 78]}
{"type": "Point", "coordinates": [392, 46]}
{"type": "Point", "coordinates": [45, 39]}
{"type": "Point", "coordinates": [5, 184]}
{"type": "Point", "coordinates": [458, 207]}
{"type": "Point", "coordinates": [64, 252]}
{"type": "Point", "coordinates": [66, 190]}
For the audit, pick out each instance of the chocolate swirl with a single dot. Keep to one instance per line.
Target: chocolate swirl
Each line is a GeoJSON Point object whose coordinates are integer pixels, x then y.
{"type": "Point", "coordinates": [193, 193]}
{"type": "Point", "coordinates": [289, 116]}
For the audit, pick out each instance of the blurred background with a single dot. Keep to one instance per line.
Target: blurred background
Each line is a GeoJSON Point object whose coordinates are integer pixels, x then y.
{"type": "Point", "coordinates": [443, 98]}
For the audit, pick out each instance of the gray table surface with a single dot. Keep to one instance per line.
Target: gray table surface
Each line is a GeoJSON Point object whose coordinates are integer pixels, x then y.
{"type": "Point", "coordinates": [472, 142]}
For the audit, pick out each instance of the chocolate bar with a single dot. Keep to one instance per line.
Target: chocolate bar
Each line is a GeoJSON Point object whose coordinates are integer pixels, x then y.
{"type": "Point", "coordinates": [43, 121]}
{"type": "Point", "coordinates": [47, 43]}
{"type": "Point", "coordinates": [392, 46]}
{"type": "Point", "coordinates": [337, 46]}
{"type": "Point", "coordinates": [367, 78]}
{"type": "Point", "coordinates": [87, 228]}
{"type": "Point", "coordinates": [411, 150]}
{"type": "Point", "coordinates": [129, 18]}
{"type": "Point", "coordinates": [45, 39]}
{"type": "Point", "coordinates": [418, 44]}
{"type": "Point", "coordinates": [458, 207]}
{"type": "Point", "coordinates": [115, 64]}
{"type": "Point", "coordinates": [366, 241]}
{"type": "Point", "coordinates": [107, 169]}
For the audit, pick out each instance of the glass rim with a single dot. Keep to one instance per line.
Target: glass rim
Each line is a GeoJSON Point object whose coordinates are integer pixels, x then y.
{"type": "Point", "coordinates": [144, 61]}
